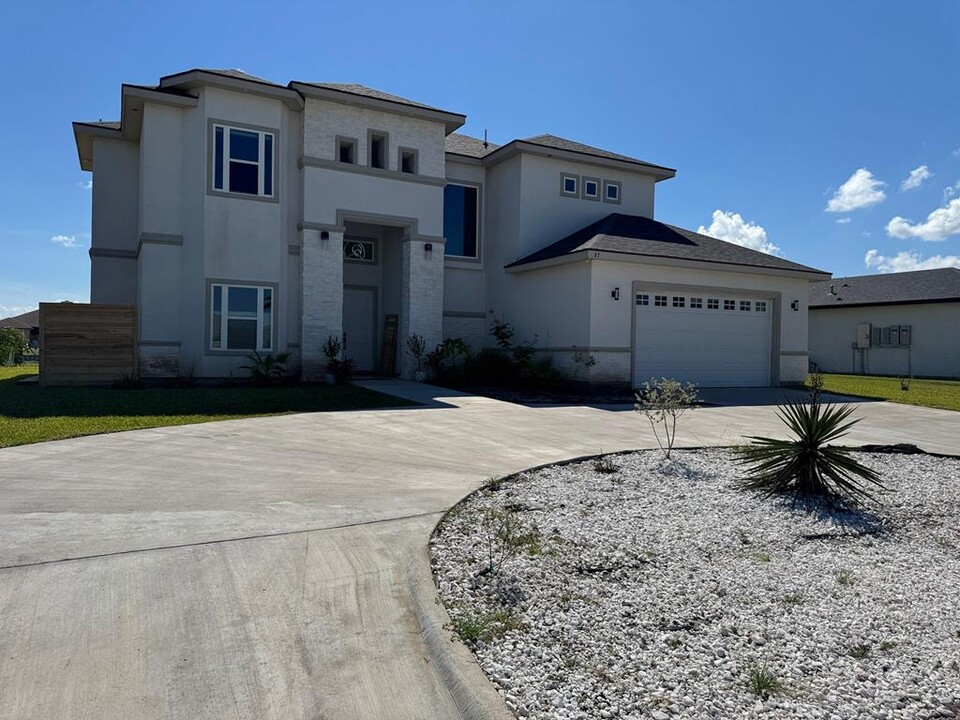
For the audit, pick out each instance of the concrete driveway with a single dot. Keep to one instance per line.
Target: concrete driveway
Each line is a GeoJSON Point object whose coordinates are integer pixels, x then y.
{"type": "Point", "coordinates": [277, 567]}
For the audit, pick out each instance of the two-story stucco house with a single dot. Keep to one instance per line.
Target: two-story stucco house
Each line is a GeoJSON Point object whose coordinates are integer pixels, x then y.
{"type": "Point", "coordinates": [240, 214]}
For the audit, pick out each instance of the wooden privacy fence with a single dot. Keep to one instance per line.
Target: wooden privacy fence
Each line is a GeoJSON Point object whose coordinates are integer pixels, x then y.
{"type": "Point", "coordinates": [87, 344]}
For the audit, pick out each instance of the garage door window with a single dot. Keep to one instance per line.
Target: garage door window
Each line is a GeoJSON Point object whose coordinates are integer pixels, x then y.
{"type": "Point", "coordinates": [660, 300]}
{"type": "Point", "coordinates": [643, 299]}
{"type": "Point", "coordinates": [713, 303]}
{"type": "Point", "coordinates": [679, 301]}
{"type": "Point", "coordinates": [760, 306]}
{"type": "Point", "coordinates": [745, 305]}
{"type": "Point", "coordinates": [696, 302]}
{"type": "Point", "coordinates": [729, 305]}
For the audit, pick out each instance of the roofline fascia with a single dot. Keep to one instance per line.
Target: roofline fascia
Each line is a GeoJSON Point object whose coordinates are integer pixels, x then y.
{"type": "Point", "coordinates": [196, 78]}
{"type": "Point", "coordinates": [515, 147]}
{"type": "Point", "coordinates": [611, 256]}
{"type": "Point", "coordinates": [460, 157]}
{"type": "Point", "coordinates": [83, 135]}
{"type": "Point", "coordinates": [930, 301]}
{"type": "Point", "coordinates": [452, 121]}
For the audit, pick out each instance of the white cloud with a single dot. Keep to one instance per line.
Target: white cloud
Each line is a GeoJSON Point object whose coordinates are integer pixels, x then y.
{"type": "Point", "coordinates": [866, 233]}
{"type": "Point", "coordinates": [951, 190]}
{"type": "Point", "coordinates": [939, 224]}
{"type": "Point", "coordinates": [14, 310]}
{"type": "Point", "coordinates": [733, 228]}
{"type": "Point", "coordinates": [907, 261]}
{"type": "Point", "coordinates": [916, 178]}
{"type": "Point", "coordinates": [69, 241]}
{"type": "Point", "coordinates": [843, 221]}
{"type": "Point", "coordinates": [85, 184]}
{"type": "Point", "coordinates": [956, 153]}
{"type": "Point", "coordinates": [861, 190]}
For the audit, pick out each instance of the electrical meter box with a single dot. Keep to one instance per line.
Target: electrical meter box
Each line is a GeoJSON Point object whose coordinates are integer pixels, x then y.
{"type": "Point", "coordinates": [863, 335]}
{"type": "Point", "coordinates": [905, 333]}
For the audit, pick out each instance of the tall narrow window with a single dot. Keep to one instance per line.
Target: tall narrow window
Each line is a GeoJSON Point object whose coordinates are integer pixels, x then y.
{"type": "Point", "coordinates": [241, 317]}
{"type": "Point", "coordinates": [378, 150]}
{"type": "Point", "coordinates": [347, 150]}
{"type": "Point", "coordinates": [461, 214]}
{"type": "Point", "coordinates": [408, 161]}
{"type": "Point", "coordinates": [243, 161]}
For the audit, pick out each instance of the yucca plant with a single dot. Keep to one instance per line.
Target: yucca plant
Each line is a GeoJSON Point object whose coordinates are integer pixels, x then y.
{"type": "Point", "coordinates": [809, 465]}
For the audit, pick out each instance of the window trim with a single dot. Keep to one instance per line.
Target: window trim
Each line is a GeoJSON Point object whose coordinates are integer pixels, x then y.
{"type": "Point", "coordinates": [274, 330]}
{"type": "Point", "coordinates": [586, 196]}
{"type": "Point", "coordinates": [386, 148]}
{"type": "Point", "coordinates": [401, 150]}
{"type": "Point", "coordinates": [609, 184]}
{"type": "Point", "coordinates": [345, 139]}
{"type": "Point", "coordinates": [212, 124]}
{"type": "Point", "coordinates": [469, 258]}
{"type": "Point", "coordinates": [564, 176]}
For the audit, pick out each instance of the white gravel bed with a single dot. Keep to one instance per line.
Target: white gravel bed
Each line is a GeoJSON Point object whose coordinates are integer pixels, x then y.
{"type": "Point", "coordinates": [658, 591]}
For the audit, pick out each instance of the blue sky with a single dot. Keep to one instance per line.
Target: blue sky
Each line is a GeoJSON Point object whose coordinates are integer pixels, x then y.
{"type": "Point", "coordinates": [791, 125]}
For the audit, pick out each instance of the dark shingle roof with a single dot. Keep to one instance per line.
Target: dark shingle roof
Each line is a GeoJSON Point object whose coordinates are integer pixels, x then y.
{"type": "Point", "coordinates": [460, 144]}
{"type": "Point", "coordinates": [918, 286]}
{"type": "Point", "coordinates": [27, 320]}
{"type": "Point", "coordinates": [637, 235]}
{"type": "Point", "coordinates": [239, 74]}
{"type": "Point", "coordinates": [364, 91]}
{"type": "Point", "coordinates": [559, 143]}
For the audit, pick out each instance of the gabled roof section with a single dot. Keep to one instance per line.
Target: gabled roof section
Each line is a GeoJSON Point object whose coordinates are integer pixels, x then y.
{"type": "Point", "coordinates": [918, 286]}
{"type": "Point", "coordinates": [460, 144]}
{"type": "Point", "coordinates": [364, 96]}
{"type": "Point", "coordinates": [642, 237]}
{"type": "Point", "coordinates": [26, 321]}
{"type": "Point", "coordinates": [559, 143]}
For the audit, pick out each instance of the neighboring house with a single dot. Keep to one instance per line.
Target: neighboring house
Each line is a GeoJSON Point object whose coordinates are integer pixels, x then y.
{"type": "Point", "coordinates": [902, 324]}
{"type": "Point", "coordinates": [236, 214]}
{"type": "Point", "coordinates": [27, 324]}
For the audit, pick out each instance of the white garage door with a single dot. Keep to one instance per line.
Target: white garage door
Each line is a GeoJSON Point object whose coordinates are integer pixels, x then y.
{"type": "Point", "coordinates": [714, 340]}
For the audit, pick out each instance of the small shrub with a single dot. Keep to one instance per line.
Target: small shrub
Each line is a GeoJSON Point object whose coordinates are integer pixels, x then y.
{"type": "Point", "coordinates": [663, 401]}
{"type": "Point", "coordinates": [762, 557]}
{"type": "Point", "coordinates": [503, 332]}
{"type": "Point", "coordinates": [887, 645]}
{"type": "Point", "coordinates": [503, 537]}
{"type": "Point", "coordinates": [485, 627]}
{"type": "Point", "coordinates": [417, 347]}
{"type": "Point", "coordinates": [809, 465]}
{"type": "Point", "coordinates": [264, 369]}
{"type": "Point", "coordinates": [844, 578]}
{"type": "Point", "coordinates": [860, 651]}
{"type": "Point", "coordinates": [793, 599]}
{"type": "Point", "coordinates": [764, 684]}
{"type": "Point", "coordinates": [605, 465]}
{"type": "Point", "coordinates": [582, 361]}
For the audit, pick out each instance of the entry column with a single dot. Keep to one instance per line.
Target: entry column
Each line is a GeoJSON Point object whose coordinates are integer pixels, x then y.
{"type": "Point", "coordinates": [322, 297]}
{"type": "Point", "coordinates": [421, 304]}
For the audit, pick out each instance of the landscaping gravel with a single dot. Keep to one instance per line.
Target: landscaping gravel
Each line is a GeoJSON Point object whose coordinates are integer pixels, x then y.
{"type": "Point", "coordinates": [661, 591]}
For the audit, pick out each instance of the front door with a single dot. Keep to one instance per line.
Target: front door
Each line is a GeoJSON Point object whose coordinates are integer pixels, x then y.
{"type": "Point", "coordinates": [360, 326]}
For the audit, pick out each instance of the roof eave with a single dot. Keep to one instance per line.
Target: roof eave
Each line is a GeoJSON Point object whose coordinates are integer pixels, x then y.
{"type": "Point", "coordinates": [83, 135]}
{"type": "Point", "coordinates": [515, 147]}
{"type": "Point", "coordinates": [613, 256]}
{"type": "Point", "coordinates": [452, 121]}
{"type": "Point", "coordinates": [192, 79]}
{"type": "Point", "coordinates": [881, 303]}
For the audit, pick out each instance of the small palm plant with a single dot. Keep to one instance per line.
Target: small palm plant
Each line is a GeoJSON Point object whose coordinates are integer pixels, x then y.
{"type": "Point", "coordinates": [264, 369]}
{"type": "Point", "coordinates": [809, 465]}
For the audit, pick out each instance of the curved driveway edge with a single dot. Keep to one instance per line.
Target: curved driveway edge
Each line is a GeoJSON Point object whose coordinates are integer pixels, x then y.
{"type": "Point", "coordinates": [276, 568]}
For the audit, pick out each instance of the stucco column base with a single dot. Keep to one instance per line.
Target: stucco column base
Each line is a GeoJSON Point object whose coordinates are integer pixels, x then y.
{"type": "Point", "coordinates": [322, 299]}
{"type": "Point", "coordinates": [421, 304]}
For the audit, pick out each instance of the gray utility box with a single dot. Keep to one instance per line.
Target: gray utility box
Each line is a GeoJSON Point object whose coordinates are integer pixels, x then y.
{"type": "Point", "coordinates": [890, 336]}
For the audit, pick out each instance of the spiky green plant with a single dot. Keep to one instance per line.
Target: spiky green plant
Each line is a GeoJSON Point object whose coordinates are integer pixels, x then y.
{"type": "Point", "coordinates": [809, 465]}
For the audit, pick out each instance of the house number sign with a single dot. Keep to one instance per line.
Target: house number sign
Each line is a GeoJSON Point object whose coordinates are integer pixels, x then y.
{"type": "Point", "coordinates": [359, 251]}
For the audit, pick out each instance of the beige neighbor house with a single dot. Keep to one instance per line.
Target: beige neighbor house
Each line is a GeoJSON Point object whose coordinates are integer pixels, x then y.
{"type": "Point", "coordinates": [239, 214]}
{"type": "Point", "coordinates": [901, 324]}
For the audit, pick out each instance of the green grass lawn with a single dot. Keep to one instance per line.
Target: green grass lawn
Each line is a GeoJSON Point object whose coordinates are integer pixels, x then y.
{"type": "Point", "coordinates": [29, 413]}
{"type": "Point", "coordinates": [929, 393]}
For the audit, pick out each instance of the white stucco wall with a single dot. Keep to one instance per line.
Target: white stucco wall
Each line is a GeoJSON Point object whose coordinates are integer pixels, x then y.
{"type": "Point", "coordinates": [935, 342]}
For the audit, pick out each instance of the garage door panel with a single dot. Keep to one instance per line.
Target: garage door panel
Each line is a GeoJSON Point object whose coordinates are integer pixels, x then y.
{"type": "Point", "coordinates": [710, 347]}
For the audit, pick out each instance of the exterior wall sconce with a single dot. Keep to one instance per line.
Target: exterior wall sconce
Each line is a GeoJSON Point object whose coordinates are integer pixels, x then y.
{"type": "Point", "coordinates": [795, 305]}
{"type": "Point", "coordinates": [615, 293]}
{"type": "Point", "coordinates": [324, 235]}
{"type": "Point", "coordinates": [428, 247]}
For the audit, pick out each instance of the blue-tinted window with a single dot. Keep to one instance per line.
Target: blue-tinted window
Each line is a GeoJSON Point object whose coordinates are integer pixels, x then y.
{"type": "Point", "coordinates": [268, 164]}
{"type": "Point", "coordinates": [460, 216]}
{"type": "Point", "coordinates": [244, 178]}
{"type": "Point", "coordinates": [244, 145]}
{"type": "Point", "coordinates": [218, 159]}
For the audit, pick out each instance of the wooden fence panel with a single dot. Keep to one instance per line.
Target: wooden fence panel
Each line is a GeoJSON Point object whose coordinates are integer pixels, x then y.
{"type": "Point", "coordinates": [87, 344]}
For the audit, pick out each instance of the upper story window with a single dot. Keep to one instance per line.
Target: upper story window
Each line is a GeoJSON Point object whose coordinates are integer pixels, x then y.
{"type": "Point", "coordinates": [377, 149]}
{"type": "Point", "coordinates": [591, 188]}
{"type": "Point", "coordinates": [461, 218]}
{"type": "Point", "coordinates": [408, 161]}
{"type": "Point", "coordinates": [611, 191]}
{"type": "Point", "coordinates": [569, 185]}
{"type": "Point", "coordinates": [347, 150]}
{"type": "Point", "coordinates": [243, 161]}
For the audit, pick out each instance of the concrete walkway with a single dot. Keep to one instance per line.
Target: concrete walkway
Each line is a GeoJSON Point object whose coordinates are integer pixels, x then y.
{"type": "Point", "coordinates": [277, 567]}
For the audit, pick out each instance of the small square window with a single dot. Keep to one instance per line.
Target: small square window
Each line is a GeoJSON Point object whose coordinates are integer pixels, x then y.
{"type": "Point", "coordinates": [713, 303]}
{"type": "Point", "coordinates": [760, 306]}
{"type": "Point", "coordinates": [347, 150]}
{"type": "Point", "coordinates": [611, 191]}
{"type": "Point", "coordinates": [745, 305]}
{"type": "Point", "coordinates": [729, 305]}
{"type": "Point", "coordinates": [679, 301]}
{"type": "Point", "coordinates": [570, 185]}
{"type": "Point", "coordinates": [643, 299]}
{"type": "Point", "coordinates": [378, 150]}
{"type": "Point", "coordinates": [408, 161]}
{"type": "Point", "coordinates": [660, 300]}
{"type": "Point", "coordinates": [591, 188]}
{"type": "Point", "coordinates": [696, 302]}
